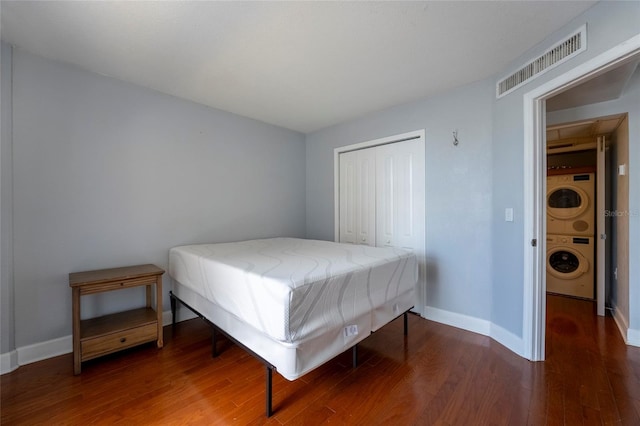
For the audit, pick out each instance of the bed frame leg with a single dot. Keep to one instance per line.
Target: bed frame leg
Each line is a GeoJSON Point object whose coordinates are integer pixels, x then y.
{"type": "Point", "coordinates": [268, 391]}
{"type": "Point", "coordinates": [354, 355]}
{"type": "Point", "coordinates": [214, 341]}
{"type": "Point", "coordinates": [406, 324]}
{"type": "Point", "coordinates": [172, 300]}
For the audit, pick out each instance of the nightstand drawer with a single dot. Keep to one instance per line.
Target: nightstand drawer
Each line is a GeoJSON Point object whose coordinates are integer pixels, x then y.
{"type": "Point", "coordinates": [116, 285]}
{"type": "Point", "coordinates": [102, 345]}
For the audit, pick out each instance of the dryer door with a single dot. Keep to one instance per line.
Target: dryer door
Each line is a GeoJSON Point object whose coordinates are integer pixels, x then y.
{"type": "Point", "coordinates": [566, 263]}
{"type": "Point", "coordinates": [566, 202]}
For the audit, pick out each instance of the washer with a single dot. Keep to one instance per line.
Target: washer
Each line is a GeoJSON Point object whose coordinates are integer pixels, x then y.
{"type": "Point", "coordinates": [571, 204]}
{"type": "Point", "coordinates": [570, 265]}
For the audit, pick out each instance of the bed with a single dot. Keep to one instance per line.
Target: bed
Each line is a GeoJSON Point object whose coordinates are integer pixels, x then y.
{"type": "Point", "coordinates": [293, 303]}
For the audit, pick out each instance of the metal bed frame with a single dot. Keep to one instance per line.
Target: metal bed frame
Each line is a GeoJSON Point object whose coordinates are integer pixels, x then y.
{"type": "Point", "coordinates": [269, 367]}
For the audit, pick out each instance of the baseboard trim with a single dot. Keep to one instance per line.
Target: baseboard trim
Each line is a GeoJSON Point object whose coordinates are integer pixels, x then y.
{"type": "Point", "coordinates": [621, 322]}
{"type": "Point", "coordinates": [166, 318]}
{"type": "Point", "coordinates": [630, 336]}
{"type": "Point", "coordinates": [8, 362]}
{"type": "Point", "coordinates": [475, 325]}
{"type": "Point", "coordinates": [457, 320]}
{"type": "Point", "coordinates": [507, 339]}
{"type": "Point", "coordinates": [49, 349]}
{"type": "Point", "coordinates": [633, 337]}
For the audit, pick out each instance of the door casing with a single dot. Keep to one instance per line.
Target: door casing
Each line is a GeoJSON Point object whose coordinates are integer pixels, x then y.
{"type": "Point", "coordinates": [534, 168]}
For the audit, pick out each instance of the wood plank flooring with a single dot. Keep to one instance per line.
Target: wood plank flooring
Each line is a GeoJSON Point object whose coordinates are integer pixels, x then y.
{"type": "Point", "coordinates": [438, 375]}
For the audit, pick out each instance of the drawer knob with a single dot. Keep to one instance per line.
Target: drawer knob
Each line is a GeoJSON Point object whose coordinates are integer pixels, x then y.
{"type": "Point", "coordinates": [123, 339]}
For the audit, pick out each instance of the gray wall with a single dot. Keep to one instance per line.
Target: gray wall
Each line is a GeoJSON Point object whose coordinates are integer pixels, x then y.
{"type": "Point", "coordinates": [108, 174]}
{"type": "Point", "coordinates": [6, 227]}
{"type": "Point", "coordinates": [609, 24]}
{"type": "Point", "coordinates": [458, 189]}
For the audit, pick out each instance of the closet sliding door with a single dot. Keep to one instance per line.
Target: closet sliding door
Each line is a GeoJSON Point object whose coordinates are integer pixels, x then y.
{"type": "Point", "coordinates": [380, 197]}
{"type": "Point", "coordinates": [357, 197]}
{"type": "Point", "coordinates": [400, 195]}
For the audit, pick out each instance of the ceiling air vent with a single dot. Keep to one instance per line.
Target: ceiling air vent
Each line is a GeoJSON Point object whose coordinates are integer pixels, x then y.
{"type": "Point", "coordinates": [568, 48]}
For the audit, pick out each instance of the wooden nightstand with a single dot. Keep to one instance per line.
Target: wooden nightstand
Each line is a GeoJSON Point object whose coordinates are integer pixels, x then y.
{"type": "Point", "coordinates": [99, 336]}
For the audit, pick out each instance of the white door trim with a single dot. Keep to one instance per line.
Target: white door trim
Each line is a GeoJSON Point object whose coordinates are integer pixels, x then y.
{"type": "Point", "coordinates": [534, 166]}
{"type": "Point", "coordinates": [600, 234]}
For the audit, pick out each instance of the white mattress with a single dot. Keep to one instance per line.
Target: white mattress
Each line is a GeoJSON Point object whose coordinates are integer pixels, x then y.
{"type": "Point", "coordinates": [295, 290]}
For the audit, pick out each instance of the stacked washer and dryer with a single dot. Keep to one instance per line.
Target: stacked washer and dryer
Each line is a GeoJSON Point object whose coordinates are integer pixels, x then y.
{"type": "Point", "coordinates": [570, 234]}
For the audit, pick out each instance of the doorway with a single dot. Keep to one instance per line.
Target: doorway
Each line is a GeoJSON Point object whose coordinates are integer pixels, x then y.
{"type": "Point", "coordinates": [583, 186]}
{"type": "Point", "coordinates": [535, 185]}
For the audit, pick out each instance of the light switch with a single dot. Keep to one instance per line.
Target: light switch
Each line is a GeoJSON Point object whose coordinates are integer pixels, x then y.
{"type": "Point", "coordinates": [508, 214]}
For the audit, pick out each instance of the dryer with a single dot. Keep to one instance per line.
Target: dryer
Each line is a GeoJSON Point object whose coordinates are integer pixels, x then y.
{"type": "Point", "coordinates": [570, 265]}
{"type": "Point", "coordinates": [571, 204]}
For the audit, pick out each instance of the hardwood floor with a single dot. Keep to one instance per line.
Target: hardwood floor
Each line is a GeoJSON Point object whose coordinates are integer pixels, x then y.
{"type": "Point", "coordinates": [438, 375]}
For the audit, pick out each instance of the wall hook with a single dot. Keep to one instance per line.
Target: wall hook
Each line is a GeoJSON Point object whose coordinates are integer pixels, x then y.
{"type": "Point", "coordinates": [455, 138]}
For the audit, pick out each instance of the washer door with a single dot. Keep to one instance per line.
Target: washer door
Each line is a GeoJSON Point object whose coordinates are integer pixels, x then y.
{"type": "Point", "coordinates": [566, 263]}
{"type": "Point", "coordinates": [567, 202]}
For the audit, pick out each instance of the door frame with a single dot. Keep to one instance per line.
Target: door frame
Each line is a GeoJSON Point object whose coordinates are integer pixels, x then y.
{"type": "Point", "coordinates": [534, 168]}
{"type": "Point", "coordinates": [414, 135]}
{"type": "Point", "coordinates": [600, 235]}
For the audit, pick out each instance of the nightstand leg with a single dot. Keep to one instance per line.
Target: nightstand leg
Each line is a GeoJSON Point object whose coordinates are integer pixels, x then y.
{"type": "Point", "coordinates": [77, 356]}
{"type": "Point", "coordinates": [158, 307]}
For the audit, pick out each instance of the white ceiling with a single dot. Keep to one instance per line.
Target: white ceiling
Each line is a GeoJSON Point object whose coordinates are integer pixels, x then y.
{"type": "Point", "coordinates": [300, 65]}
